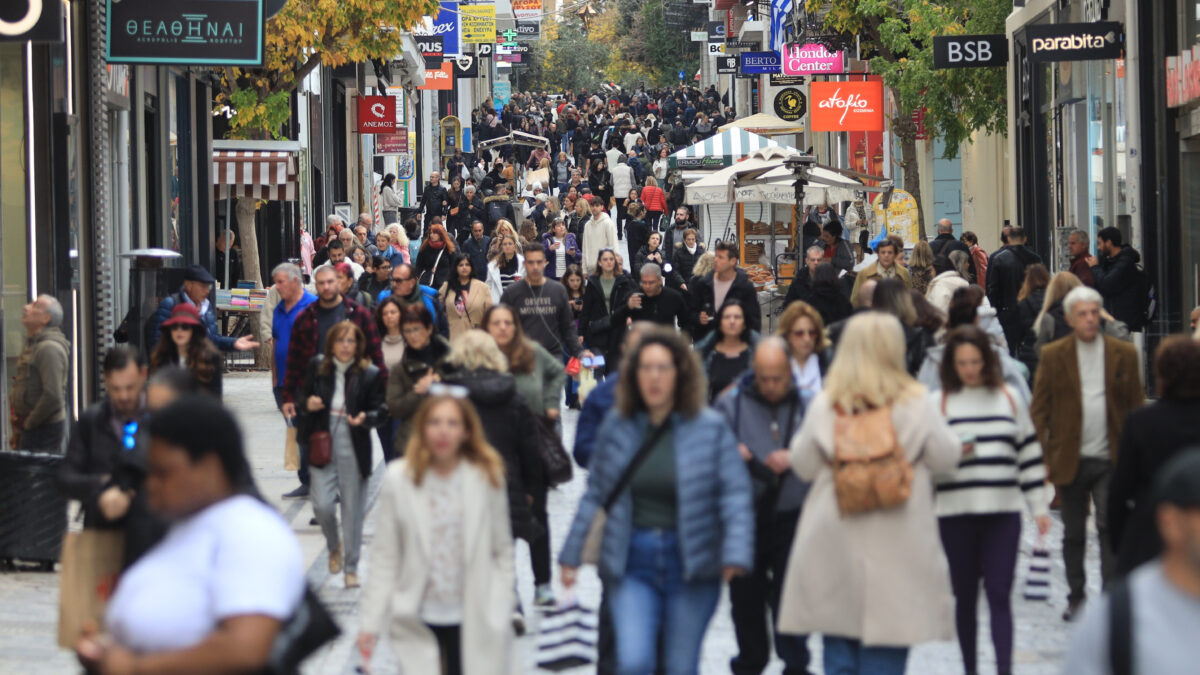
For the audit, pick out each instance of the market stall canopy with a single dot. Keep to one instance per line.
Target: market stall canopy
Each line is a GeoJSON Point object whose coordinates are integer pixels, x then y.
{"type": "Point", "coordinates": [723, 149]}
{"type": "Point", "coordinates": [259, 169]}
{"type": "Point", "coordinates": [515, 138]}
{"type": "Point", "coordinates": [765, 124]}
{"type": "Point", "coordinates": [762, 177]}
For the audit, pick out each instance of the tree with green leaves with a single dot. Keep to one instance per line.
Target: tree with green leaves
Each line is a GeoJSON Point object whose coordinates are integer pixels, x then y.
{"type": "Point", "coordinates": [898, 36]}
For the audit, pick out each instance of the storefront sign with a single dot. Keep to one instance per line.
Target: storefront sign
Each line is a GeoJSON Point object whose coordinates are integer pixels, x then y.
{"type": "Point", "coordinates": [1075, 41]}
{"type": "Point", "coordinates": [791, 104]}
{"type": "Point", "coordinates": [716, 49]}
{"type": "Point", "coordinates": [185, 32]}
{"type": "Point", "coordinates": [787, 80]}
{"type": "Point", "coordinates": [716, 31]}
{"type": "Point", "coordinates": [727, 65]}
{"type": "Point", "coordinates": [1183, 78]}
{"type": "Point", "coordinates": [376, 114]}
{"type": "Point", "coordinates": [477, 23]}
{"type": "Point", "coordinates": [812, 59]}
{"type": "Point", "coordinates": [760, 63]}
{"type": "Point", "coordinates": [392, 144]}
{"type": "Point", "coordinates": [508, 58]}
{"type": "Point", "coordinates": [528, 30]}
{"type": "Point", "coordinates": [431, 48]}
{"type": "Point", "coordinates": [501, 93]}
{"type": "Point", "coordinates": [901, 215]}
{"type": "Point", "coordinates": [847, 106]}
{"type": "Point", "coordinates": [483, 51]}
{"type": "Point", "coordinates": [969, 51]}
{"type": "Point", "coordinates": [466, 67]}
{"type": "Point", "coordinates": [527, 10]}
{"type": "Point", "coordinates": [700, 163]}
{"type": "Point", "coordinates": [444, 25]}
{"type": "Point", "coordinates": [440, 78]}
{"type": "Point", "coordinates": [699, 36]}
{"type": "Point", "coordinates": [32, 21]}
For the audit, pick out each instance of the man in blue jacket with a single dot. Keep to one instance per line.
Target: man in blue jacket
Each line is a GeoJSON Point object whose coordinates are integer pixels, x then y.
{"type": "Point", "coordinates": [197, 285]}
{"type": "Point", "coordinates": [409, 291]}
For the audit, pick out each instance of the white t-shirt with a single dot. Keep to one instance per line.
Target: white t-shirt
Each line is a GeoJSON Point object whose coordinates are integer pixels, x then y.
{"type": "Point", "coordinates": [237, 557]}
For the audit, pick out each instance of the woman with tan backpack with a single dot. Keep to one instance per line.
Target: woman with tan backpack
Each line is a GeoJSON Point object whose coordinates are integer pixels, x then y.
{"type": "Point", "coordinates": [867, 569]}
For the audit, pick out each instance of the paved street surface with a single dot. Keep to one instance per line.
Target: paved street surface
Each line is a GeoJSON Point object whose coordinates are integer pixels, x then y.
{"type": "Point", "coordinates": [28, 600]}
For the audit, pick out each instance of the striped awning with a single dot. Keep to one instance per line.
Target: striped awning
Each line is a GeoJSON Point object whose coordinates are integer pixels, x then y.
{"type": "Point", "coordinates": [720, 150]}
{"type": "Point", "coordinates": [261, 175]}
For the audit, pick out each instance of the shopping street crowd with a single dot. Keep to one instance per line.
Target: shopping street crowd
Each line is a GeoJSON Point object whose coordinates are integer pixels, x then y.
{"type": "Point", "coordinates": [859, 471]}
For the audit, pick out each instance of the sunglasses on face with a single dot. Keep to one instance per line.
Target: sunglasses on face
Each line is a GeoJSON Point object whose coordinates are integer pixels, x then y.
{"type": "Point", "coordinates": [802, 333]}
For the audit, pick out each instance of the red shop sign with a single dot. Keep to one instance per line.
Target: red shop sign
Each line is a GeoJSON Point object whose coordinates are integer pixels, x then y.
{"type": "Point", "coordinates": [376, 114]}
{"type": "Point", "coordinates": [846, 106]}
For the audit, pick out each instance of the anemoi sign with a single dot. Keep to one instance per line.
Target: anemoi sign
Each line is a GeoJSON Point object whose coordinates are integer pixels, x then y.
{"type": "Point", "coordinates": [1075, 41]}
{"type": "Point", "coordinates": [376, 114]}
{"type": "Point", "coordinates": [812, 59]}
{"type": "Point", "coordinates": [846, 106]}
{"type": "Point", "coordinates": [186, 32]}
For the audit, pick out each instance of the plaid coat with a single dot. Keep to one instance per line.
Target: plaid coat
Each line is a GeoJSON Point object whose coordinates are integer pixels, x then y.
{"type": "Point", "coordinates": [303, 346]}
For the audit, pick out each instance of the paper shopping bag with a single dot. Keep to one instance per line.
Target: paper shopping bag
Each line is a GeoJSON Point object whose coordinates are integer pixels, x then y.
{"type": "Point", "coordinates": [91, 563]}
{"type": "Point", "coordinates": [587, 382]}
{"type": "Point", "coordinates": [291, 451]}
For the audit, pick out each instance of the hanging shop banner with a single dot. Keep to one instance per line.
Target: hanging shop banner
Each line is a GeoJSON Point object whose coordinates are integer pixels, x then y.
{"type": "Point", "coordinates": [527, 10]}
{"type": "Point", "coordinates": [1075, 41]}
{"type": "Point", "coordinates": [791, 104]}
{"type": "Point", "coordinates": [901, 215]}
{"type": "Point", "coordinates": [466, 67]}
{"type": "Point", "coordinates": [716, 49]}
{"type": "Point", "coordinates": [508, 58]}
{"type": "Point", "coordinates": [812, 59]}
{"type": "Point", "coordinates": [727, 65]}
{"type": "Point", "coordinates": [32, 21]}
{"type": "Point", "coordinates": [444, 25]}
{"type": "Point", "coordinates": [501, 93]}
{"type": "Point", "coordinates": [847, 106]}
{"type": "Point", "coordinates": [788, 80]}
{"type": "Point", "coordinates": [483, 51]}
{"type": "Point", "coordinates": [432, 49]}
{"type": "Point", "coordinates": [392, 144]}
{"type": "Point", "coordinates": [477, 23]}
{"type": "Point", "coordinates": [376, 115]}
{"type": "Point", "coordinates": [185, 32]}
{"type": "Point", "coordinates": [969, 51]}
{"type": "Point", "coordinates": [760, 63]}
{"type": "Point", "coordinates": [529, 30]}
{"type": "Point", "coordinates": [439, 79]}
{"type": "Point", "coordinates": [716, 31]}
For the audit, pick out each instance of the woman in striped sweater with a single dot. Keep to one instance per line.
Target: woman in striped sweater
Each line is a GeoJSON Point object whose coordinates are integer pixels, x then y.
{"type": "Point", "coordinates": [979, 504]}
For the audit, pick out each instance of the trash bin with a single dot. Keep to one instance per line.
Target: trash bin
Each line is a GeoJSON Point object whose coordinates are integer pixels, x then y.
{"type": "Point", "coordinates": [33, 513]}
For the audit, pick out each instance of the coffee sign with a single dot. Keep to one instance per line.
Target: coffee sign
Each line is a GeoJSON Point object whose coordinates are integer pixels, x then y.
{"type": "Point", "coordinates": [847, 106]}
{"type": "Point", "coordinates": [185, 32]}
{"type": "Point", "coordinates": [790, 104]}
{"type": "Point", "coordinates": [1075, 41]}
{"type": "Point", "coordinates": [812, 59]}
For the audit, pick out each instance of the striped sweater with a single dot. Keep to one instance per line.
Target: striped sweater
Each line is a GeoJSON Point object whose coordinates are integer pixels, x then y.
{"type": "Point", "coordinates": [1006, 466]}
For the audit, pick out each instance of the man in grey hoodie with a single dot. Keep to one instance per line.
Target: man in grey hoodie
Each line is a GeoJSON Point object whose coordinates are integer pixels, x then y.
{"type": "Point", "coordinates": [39, 392]}
{"type": "Point", "coordinates": [764, 410]}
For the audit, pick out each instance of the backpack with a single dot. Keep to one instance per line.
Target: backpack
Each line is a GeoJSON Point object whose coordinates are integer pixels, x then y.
{"type": "Point", "coordinates": [870, 469]}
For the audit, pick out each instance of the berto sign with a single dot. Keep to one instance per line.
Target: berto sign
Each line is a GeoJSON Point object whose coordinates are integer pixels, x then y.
{"type": "Point", "coordinates": [812, 59]}
{"type": "Point", "coordinates": [1075, 41]}
{"type": "Point", "coordinates": [760, 63]}
{"type": "Point", "coordinates": [186, 32]}
{"type": "Point", "coordinates": [846, 106]}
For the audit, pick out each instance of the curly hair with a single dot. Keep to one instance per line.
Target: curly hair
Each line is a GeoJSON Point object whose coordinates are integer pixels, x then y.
{"type": "Point", "coordinates": [967, 334]}
{"type": "Point", "coordinates": [199, 354]}
{"type": "Point", "coordinates": [691, 387]}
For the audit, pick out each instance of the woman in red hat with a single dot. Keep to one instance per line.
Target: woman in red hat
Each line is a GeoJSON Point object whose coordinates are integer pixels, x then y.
{"type": "Point", "coordinates": [189, 348]}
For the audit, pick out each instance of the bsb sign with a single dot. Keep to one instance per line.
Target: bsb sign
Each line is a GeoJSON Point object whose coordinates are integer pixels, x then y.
{"type": "Point", "coordinates": [969, 51]}
{"type": "Point", "coordinates": [376, 114]}
{"type": "Point", "coordinates": [846, 106]}
{"type": "Point", "coordinates": [185, 32]}
{"type": "Point", "coordinates": [1075, 41]}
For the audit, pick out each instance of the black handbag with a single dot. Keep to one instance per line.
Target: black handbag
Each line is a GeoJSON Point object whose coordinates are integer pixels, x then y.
{"type": "Point", "coordinates": [555, 459]}
{"type": "Point", "coordinates": [310, 627]}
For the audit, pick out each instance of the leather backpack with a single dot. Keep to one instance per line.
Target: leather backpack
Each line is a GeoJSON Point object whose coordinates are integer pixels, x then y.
{"type": "Point", "coordinates": [870, 469]}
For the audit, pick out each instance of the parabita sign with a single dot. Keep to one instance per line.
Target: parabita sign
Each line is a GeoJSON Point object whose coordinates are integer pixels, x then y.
{"type": "Point", "coordinates": [186, 32]}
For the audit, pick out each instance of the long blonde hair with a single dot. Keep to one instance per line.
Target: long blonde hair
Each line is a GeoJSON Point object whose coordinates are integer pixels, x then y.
{"type": "Point", "coordinates": [1060, 284]}
{"type": "Point", "coordinates": [475, 449]}
{"type": "Point", "coordinates": [868, 369]}
{"type": "Point", "coordinates": [476, 349]}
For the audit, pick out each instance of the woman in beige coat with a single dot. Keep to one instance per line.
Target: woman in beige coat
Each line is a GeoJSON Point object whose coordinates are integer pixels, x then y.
{"type": "Point", "coordinates": [464, 297]}
{"type": "Point", "coordinates": [441, 578]}
{"type": "Point", "coordinates": [876, 582]}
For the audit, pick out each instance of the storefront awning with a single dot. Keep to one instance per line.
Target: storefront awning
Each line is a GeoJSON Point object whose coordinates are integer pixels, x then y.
{"type": "Point", "coordinates": [721, 150]}
{"type": "Point", "coordinates": [269, 175]}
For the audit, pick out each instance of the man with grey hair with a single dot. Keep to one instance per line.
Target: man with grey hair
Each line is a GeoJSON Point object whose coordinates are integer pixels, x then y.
{"type": "Point", "coordinates": [1086, 385]}
{"type": "Point", "coordinates": [764, 409]}
{"type": "Point", "coordinates": [293, 298]}
{"type": "Point", "coordinates": [1078, 247]}
{"type": "Point", "coordinates": [656, 303]}
{"type": "Point", "coordinates": [38, 411]}
{"type": "Point", "coordinates": [945, 243]}
{"type": "Point", "coordinates": [802, 283]}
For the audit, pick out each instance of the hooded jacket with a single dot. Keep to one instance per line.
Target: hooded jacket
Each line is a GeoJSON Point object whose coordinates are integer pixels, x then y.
{"type": "Point", "coordinates": [39, 391]}
{"type": "Point", "coordinates": [1116, 279]}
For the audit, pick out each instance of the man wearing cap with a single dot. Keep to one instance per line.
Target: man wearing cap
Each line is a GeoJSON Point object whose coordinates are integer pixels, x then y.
{"type": "Point", "coordinates": [197, 284]}
{"type": "Point", "coordinates": [1148, 623]}
{"type": "Point", "coordinates": [39, 391]}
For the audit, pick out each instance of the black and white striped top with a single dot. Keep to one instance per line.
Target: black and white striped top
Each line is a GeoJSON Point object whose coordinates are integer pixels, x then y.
{"type": "Point", "coordinates": [1006, 466]}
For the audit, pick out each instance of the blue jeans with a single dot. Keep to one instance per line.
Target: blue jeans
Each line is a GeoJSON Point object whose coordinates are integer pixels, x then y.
{"type": "Point", "coordinates": [845, 656]}
{"type": "Point", "coordinates": [652, 595]}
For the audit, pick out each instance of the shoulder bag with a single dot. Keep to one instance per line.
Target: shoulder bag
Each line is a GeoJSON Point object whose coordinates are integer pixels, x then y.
{"type": "Point", "coordinates": [320, 443]}
{"type": "Point", "coordinates": [595, 533]}
{"type": "Point", "coordinates": [555, 459]}
{"type": "Point", "coordinates": [870, 469]}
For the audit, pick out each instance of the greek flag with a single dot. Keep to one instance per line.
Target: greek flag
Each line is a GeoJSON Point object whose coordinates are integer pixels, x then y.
{"type": "Point", "coordinates": [781, 11]}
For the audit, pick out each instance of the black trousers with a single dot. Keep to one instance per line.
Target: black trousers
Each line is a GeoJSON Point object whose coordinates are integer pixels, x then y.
{"type": "Point", "coordinates": [539, 549]}
{"type": "Point", "coordinates": [754, 595]}
{"type": "Point", "coordinates": [449, 639]}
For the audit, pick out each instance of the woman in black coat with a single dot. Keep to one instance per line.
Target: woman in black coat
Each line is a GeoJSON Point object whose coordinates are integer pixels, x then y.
{"type": "Point", "coordinates": [434, 261]}
{"type": "Point", "coordinates": [1150, 438]}
{"type": "Point", "coordinates": [827, 296]}
{"type": "Point", "coordinates": [595, 320]}
{"type": "Point", "coordinates": [342, 399]}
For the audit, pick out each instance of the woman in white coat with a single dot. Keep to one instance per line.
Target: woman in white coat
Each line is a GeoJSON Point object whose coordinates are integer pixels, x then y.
{"type": "Point", "coordinates": [441, 579]}
{"type": "Point", "coordinates": [876, 582]}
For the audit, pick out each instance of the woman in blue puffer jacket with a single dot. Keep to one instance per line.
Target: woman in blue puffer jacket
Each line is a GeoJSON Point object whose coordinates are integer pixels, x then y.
{"type": "Point", "coordinates": [667, 472]}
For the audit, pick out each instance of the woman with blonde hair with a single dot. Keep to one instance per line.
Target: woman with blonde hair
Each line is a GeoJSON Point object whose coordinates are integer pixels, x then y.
{"type": "Point", "coordinates": [400, 243]}
{"type": "Point", "coordinates": [505, 264]}
{"type": "Point", "coordinates": [872, 581]}
{"type": "Point", "coordinates": [704, 265]}
{"type": "Point", "coordinates": [920, 267]}
{"type": "Point", "coordinates": [442, 559]}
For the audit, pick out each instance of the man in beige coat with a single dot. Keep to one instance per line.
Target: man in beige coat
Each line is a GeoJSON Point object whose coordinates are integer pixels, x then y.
{"type": "Point", "coordinates": [883, 268]}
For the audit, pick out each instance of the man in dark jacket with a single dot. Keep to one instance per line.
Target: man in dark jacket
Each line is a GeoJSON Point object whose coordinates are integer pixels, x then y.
{"type": "Point", "coordinates": [945, 243]}
{"type": "Point", "coordinates": [801, 288]}
{"type": "Point", "coordinates": [197, 284]}
{"type": "Point", "coordinates": [498, 208]}
{"type": "Point", "coordinates": [656, 303]}
{"type": "Point", "coordinates": [726, 282]}
{"type": "Point", "coordinates": [836, 250]}
{"type": "Point", "coordinates": [1006, 273]}
{"type": "Point", "coordinates": [476, 246]}
{"type": "Point", "coordinates": [1116, 275]}
{"type": "Point", "coordinates": [433, 198]}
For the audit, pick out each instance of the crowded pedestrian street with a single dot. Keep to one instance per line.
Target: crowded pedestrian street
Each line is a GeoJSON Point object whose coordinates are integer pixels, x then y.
{"type": "Point", "coordinates": [29, 607]}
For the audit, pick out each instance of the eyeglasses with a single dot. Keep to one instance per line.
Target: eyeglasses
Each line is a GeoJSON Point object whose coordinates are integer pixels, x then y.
{"type": "Point", "coordinates": [802, 333]}
{"type": "Point", "coordinates": [398, 280]}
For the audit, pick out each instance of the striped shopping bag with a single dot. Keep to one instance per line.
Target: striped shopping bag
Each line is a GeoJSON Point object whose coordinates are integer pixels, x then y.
{"type": "Point", "coordinates": [567, 637]}
{"type": "Point", "coordinates": [1037, 578]}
